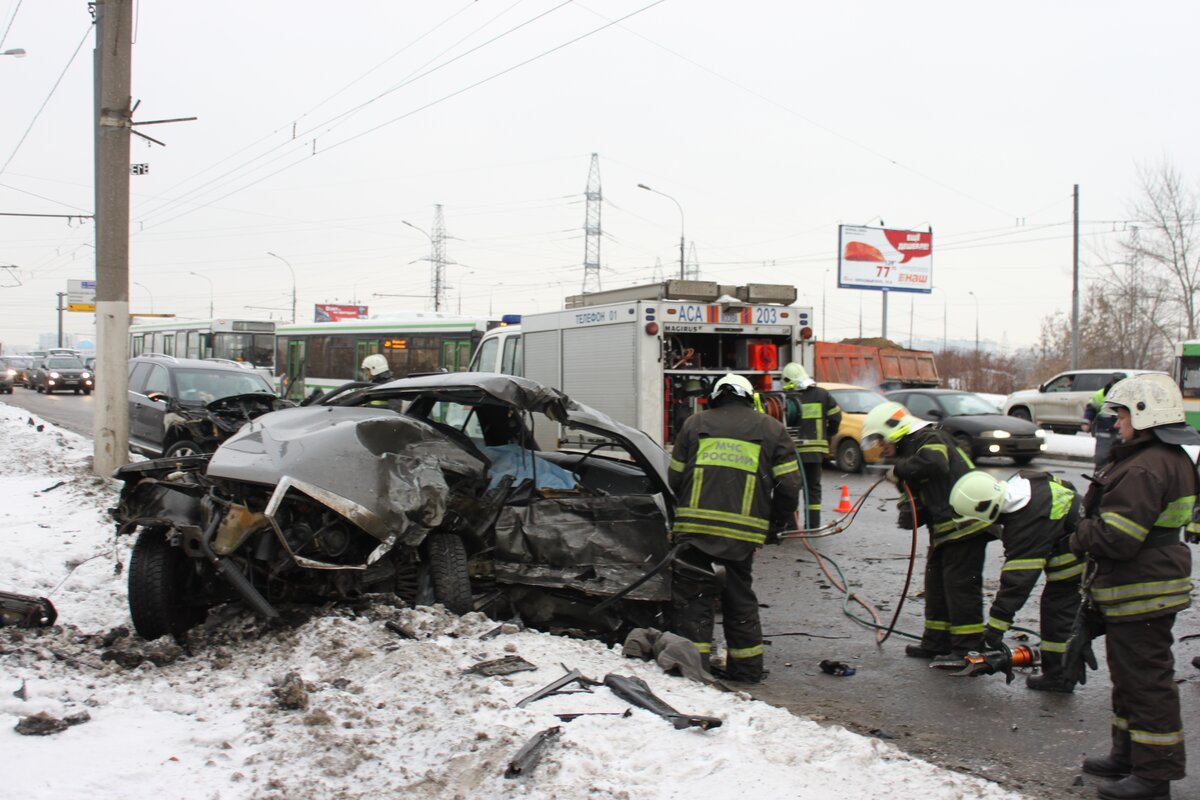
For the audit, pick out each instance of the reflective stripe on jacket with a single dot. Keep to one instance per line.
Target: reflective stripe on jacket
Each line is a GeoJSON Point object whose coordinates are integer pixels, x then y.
{"type": "Point", "coordinates": [1135, 511]}
{"type": "Point", "coordinates": [813, 419]}
{"type": "Point", "coordinates": [929, 461]}
{"type": "Point", "coordinates": [734, 473]}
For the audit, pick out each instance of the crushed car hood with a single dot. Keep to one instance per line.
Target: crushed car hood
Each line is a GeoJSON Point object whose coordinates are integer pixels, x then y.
{"type": "Point", "coordinates": [382, 470]}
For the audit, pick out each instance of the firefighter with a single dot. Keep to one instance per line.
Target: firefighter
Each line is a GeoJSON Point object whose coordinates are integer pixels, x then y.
{"type": "Point", "coordinates": [819, 418]}
{"type": "Point", "coordinates": [928, 462]}
{"type": "Point", "coordinates": [375, 369]}
{"type": "Point", "coordinates": [735, 476]}
{"type": "Point", "coordinates": [1100, 424]}
{"type": "Point", "coordinates": [1139, 578]}
{"type": "Point", "coordinates": [1036, 511]}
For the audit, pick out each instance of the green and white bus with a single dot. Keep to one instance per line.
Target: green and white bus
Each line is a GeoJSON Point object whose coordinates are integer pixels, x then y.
{"type": "Point", "coordinates": [249, 342]}
{"type": "Point", "coordinates": [1187, 375]}
{"type": "Point", "coordinates": [324, 355]}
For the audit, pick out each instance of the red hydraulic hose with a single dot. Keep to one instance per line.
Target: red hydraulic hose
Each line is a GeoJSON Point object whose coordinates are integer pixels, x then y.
{"type": "Point", "coordinates": [912, 558]}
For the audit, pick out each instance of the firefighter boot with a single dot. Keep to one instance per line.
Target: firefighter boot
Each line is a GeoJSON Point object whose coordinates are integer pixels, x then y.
{"type": "Point", "coordinates": [1107, 766]}
{"type": "Point", "coordinates": [1052, 679]}
{"type": "Point", "coordinates": [920, 651]}
{"type": "Point", "coordinates": [1131, 787]}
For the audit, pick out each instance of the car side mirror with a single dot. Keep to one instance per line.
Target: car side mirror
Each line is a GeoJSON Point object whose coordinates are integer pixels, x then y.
{"type": "Point", "coordinates": [158, 397]}
{"type": "Point", "coordinates": [936, 413]}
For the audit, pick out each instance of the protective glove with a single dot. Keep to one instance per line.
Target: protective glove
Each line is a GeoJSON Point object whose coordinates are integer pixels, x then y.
{"type": "Point", "coordinates": [891, 475]}
{"type": "Point", "coordinates": [992, 638]}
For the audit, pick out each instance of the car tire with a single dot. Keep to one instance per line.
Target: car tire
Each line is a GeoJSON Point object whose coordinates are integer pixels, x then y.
{"type": "Point", "coordinates": [1023, 461]}
{"type": "Point", "coordinates": [86, 392]}
{"type": "Point", "coordinates": [184, 447]}
{"type": "Point", "coordinates": [161, 578]}
{"type": "Point", "coordinates": [849, 456]}
{"type": "Point", "coordinates": [1020, 412]}
{"type": "Point", "coordinates": [448, 569]}
{"type": "Point", "coordinates": [76, 391]}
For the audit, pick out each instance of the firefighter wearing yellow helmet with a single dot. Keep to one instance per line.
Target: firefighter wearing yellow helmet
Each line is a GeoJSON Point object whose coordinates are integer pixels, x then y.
{"type": "Point", "coordinates": [1134, 515]}
{"type": "Point", "coordinates": [927, 461]}
{"type": "Point", "coordinates": [813, 419]}
{"type": "Point", "coordinates": [735, 478]}
{"type": "Point", "coordinates": [1035, 511]}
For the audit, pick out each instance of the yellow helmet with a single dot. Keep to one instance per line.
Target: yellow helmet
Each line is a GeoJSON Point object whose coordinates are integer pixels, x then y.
{"type": "Point", "coordinates": [887, 422]}
{"type": "Point", "coordinates": [794, 375]}
{"type": "Point", "coordinates": [977, 495]}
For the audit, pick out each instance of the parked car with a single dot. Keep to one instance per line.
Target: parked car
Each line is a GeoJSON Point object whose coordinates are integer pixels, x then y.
{"type": "Point", "coordinates": [183, 406]}
{"type": "Point", "coordinates": [450, 501]}
{"type": "Point", "coordinates": [846, 446]}
{"type": "Point", "coordinates": [8, 376]}
{"type": "Point", "coordinates": [977, 425]}
{"type": "Point", "coordinates": [1059, 402]}
{"type": "Point", "coordinates": [58, 373]}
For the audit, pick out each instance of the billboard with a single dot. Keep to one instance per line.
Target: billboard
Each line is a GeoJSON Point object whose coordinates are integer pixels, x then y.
{"type": "Point", "coordinates": [885, 259]}
{"type": "Point", "coordinates": [81, 295]}
{"type": "Point", "coordinates": [332, 312]}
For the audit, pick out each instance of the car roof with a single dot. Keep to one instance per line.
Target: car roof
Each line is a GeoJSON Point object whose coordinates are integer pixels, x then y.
{"type": "Point", "coordinates": [191, 363]}
{"type": "Point", "coordinates": [825, 385]}
{"type": "Point", "coordinates": [928, 391]}
{"type": "Point", "coordinates": [1106, 371]}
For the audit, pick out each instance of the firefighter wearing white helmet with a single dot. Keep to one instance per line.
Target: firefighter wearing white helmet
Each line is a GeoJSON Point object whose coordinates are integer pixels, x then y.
{"type": "Point", "coordinates": [734, 473]}
{"type": "Point", "coordinates": [375, 368]}
{"type": "Point", "coordinates": [1134, 514]}
{"type": "Point", "coordinates": [813, 418]}
{"type": "Point", "coordinates": [1035, 512]}
{"type": "Point", "coordinates": [927, 461]}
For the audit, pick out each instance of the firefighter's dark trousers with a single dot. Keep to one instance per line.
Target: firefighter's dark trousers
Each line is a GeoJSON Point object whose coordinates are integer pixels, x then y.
{"type": "Point", "coordinates": [812, 491]}
{"type": "Point", "coordinates": [1147, 729]}
{"type": "Point", "coordinates": [695, 598]}
{"type": "Point", "coordinates": [954, 596]}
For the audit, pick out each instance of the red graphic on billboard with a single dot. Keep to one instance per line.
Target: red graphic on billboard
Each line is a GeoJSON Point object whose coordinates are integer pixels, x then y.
{"type": "Point", "coordinates": [910, 244]}
{"type": "Point", "coordinates": [333, 312]}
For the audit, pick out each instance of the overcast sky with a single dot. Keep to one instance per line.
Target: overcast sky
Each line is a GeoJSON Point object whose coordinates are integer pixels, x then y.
{"type": "Point", "coordinates": [322, 126]}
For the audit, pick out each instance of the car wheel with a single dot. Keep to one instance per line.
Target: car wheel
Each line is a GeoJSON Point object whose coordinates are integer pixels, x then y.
{"type": "Point", "coordinates": [1020, 412]}
{"type": "Point", "coordinates": [184, 447]}
{"type": "Point", "coordinates": [849, 456]}
{"type": "Point", "coordinates": [1022, 461]}
{"type": "Point", "coordinates": [448, 569]}
{"type": "Point", "coordinates": [161, 586]}
{"type": "Point", "coordinates": [86, 392]}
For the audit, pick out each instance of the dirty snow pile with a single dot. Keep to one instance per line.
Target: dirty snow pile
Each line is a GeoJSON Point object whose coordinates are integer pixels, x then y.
{"type": "Point", "coordinates": [332, 703]}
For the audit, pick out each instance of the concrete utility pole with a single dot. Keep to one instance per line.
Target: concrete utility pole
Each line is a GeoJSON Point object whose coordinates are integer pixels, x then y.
{"type": "Point", "coordinates": [60, 296]}
{"type": "Point", "coordinates": [110, 426]}
{"type": "Point", "coordinates": [1075, 289]}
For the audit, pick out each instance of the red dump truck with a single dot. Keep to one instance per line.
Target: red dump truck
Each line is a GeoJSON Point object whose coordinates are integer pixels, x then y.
{"type": "Point", "coordinates": [866, 363]}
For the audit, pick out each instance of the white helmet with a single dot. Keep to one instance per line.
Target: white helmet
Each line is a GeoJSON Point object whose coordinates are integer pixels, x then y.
{"type": "Point", "coordinates": [1152, 399]}
{"type": "Point", "coordinates": [374, 364]}
{"type": "Point", "coordinates": [977, 495]}
{"type": "Point", "coordinates": [795, 375]}
{"type": "Point", "coordinates": [887, 422]}
{"type": "Point", "coordinates": [737, 384]}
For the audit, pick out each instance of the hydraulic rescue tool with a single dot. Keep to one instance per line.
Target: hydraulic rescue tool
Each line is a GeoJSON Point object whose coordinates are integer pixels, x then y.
{"type": "Point", "coordinates": [1002, 659]}
{"type": "Point", "coordinates": [23, 611]}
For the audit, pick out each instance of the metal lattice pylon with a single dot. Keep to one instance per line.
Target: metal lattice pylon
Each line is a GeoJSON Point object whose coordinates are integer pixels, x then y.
{"type": "Point", "coordinates": [591, 228]}
{"type": "Point", "coordinates": [438, 258]}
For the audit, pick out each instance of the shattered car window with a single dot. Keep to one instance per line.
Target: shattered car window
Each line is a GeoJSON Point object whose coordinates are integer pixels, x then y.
{"type": "Point", "coordinates": [206, 386]}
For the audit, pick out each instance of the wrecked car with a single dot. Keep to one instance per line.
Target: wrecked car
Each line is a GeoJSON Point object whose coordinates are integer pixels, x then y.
{"type": "Point", "coordinates": [452, 500]}
{"type": "Point", "coordinates": [185, 406]}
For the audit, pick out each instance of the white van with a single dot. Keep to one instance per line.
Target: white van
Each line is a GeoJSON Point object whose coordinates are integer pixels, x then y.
{"type": "Point", "coordinates": [501, 349]}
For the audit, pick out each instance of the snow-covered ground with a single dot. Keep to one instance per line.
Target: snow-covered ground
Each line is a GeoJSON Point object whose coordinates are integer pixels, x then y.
{"type": "Point", "coordinates": [335, 705]}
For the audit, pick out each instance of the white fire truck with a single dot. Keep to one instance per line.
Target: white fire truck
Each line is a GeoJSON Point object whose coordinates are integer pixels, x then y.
{"type": "Point", "coordinates": [648, 355]}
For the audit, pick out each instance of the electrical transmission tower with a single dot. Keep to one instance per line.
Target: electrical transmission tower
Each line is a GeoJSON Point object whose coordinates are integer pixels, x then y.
{"type": "Point", "coordinates": [591, 228]}
{"type": "Point", "coordinates": [438, 242]}
{"type": "Point", "coordinates": [693, 264]}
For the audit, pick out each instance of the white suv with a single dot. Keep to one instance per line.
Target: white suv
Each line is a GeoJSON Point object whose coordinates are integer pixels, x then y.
{"type": "Point", "coordinates": [1059, 402]}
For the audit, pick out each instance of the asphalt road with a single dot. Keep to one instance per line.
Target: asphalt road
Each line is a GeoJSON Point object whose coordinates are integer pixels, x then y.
{"type": "Point", "coordinates": [1028, 741]}
{"type": "Point", "coordinates": [71, 411]}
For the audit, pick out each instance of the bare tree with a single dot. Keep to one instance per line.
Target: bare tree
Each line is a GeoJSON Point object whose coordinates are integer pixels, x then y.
{"type": "Point", "coordinates": [1164, 249]}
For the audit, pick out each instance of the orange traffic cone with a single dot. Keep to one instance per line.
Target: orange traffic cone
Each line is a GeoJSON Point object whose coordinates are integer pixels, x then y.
{"type": "Point", "coordinates": [844, 507]}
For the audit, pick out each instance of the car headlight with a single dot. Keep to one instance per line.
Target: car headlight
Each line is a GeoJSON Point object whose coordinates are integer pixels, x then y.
{"type": "Point", "coordinates": [1041, 434]}
{"type": "Point", "coordinates": [86, 375]}
{"type": "Point", "coordinates": [1000, 435]}
{"type": "Point", "coordinates": [54, 375]}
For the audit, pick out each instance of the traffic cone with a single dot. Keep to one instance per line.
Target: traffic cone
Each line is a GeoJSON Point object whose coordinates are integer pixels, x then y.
{"type": "Point", "coordinates": [844, 507]}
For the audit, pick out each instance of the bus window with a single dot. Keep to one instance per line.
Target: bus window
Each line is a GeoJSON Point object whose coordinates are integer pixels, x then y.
{"type": "Point", "coordinates": [1189, 376]}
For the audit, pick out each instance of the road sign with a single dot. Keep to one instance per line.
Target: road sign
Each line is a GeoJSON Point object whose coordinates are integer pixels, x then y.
{"type": "Point", "coordinates": [81, 295]}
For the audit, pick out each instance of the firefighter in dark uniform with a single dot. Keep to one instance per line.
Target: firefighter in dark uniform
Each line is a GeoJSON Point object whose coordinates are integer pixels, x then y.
{"type": "Point", "coordinates": [928, 462]}
{"type": "Point", "coordinates": [735, 479]}
{"type": "Point", "coordinates": [1133, 515]}
{"type": "Point", "coordinates": [814, 422]}
{"type": "Point", "coordinates": [1037, 512]}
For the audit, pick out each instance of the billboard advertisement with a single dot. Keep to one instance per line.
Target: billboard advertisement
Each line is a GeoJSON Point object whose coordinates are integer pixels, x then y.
{"type": "Point", "coordinates": [882, 258]}
{"type": "Point", "coordinates": [332, 312]}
